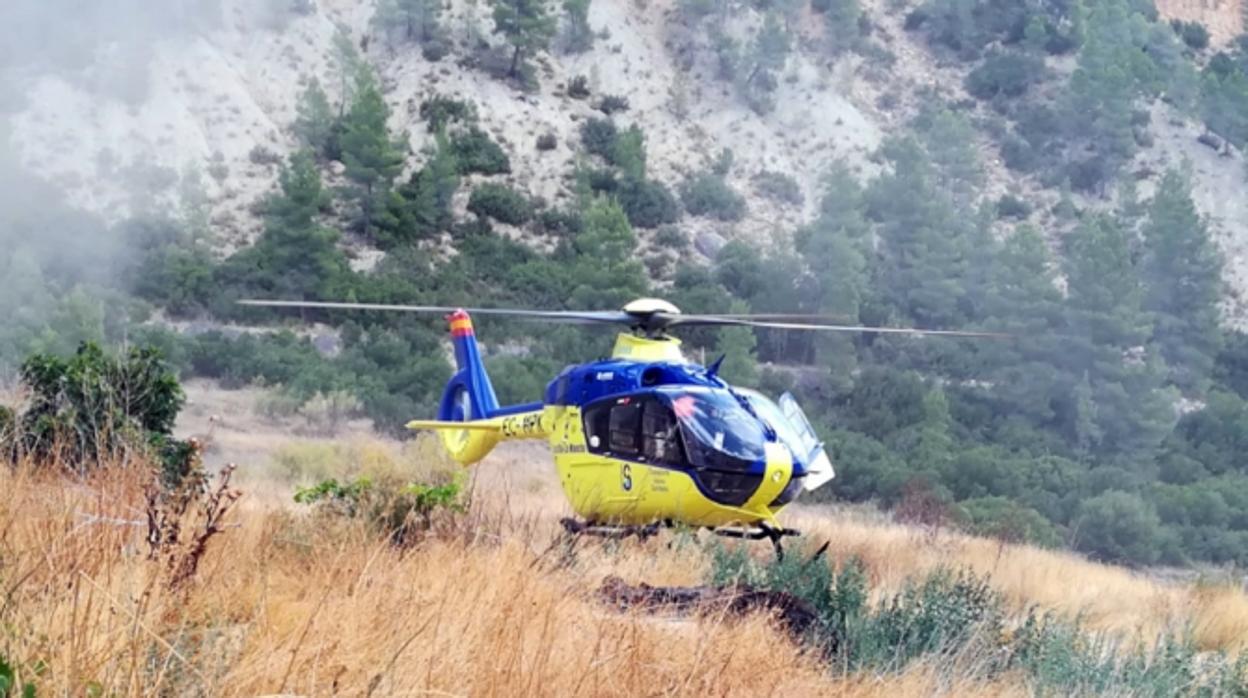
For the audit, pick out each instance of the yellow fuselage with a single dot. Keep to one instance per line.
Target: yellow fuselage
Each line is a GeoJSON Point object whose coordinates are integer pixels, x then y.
{"type": "Point", "coordinates": [602, 489]}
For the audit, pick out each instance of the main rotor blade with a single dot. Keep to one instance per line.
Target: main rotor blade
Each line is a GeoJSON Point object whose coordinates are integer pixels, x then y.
{"type": "Point", "coordinates": [604, 316]}
{"type": "Point", "coordinates": [694, 320]}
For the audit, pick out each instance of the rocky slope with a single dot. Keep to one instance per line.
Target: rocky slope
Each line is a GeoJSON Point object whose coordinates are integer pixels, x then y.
{"type": "Point", "coordinates": [215, 116]}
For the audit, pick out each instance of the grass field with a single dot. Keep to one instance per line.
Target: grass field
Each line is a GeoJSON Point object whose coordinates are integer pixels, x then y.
{"type": "Point", "coordinates": [288, 602]}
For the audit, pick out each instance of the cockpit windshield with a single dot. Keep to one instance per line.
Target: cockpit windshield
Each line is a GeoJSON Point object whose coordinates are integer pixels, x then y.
{"type": "Point", "coordinates": [770, 413]}
{"type": "Point", "coordinates": [719, 432]}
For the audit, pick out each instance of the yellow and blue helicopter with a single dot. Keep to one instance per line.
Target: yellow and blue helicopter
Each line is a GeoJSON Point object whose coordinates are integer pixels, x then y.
{"type": "Point", "coordinates": [645, 438]}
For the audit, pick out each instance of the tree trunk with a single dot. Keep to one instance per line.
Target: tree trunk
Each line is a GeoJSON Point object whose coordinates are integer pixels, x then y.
{"type": "Point", "coordinates": [515, 61]}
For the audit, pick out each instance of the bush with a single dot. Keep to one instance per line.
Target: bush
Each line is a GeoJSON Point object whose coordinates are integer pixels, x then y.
{"type": "Point", "coordinates": [599, 136]}
{"type": "Point", "coordinates": [611, 104]}
{"type": "Point", "coordinates": [404, 513]}
{"type": "Point", "coordinates": [1119, 527]}
{"type": "Point", "coordinates": [501, 203]}
{"type": "Point", "coordinates": [547, 141]}
{"type": "Point", "coordinates": [709, 195]}
{"type": "Point", "coordinates": [647, 203]}
{"type": "Point", "coordinates": [559, 222]}
{"type": "Point", "coordinates": [1004, 73]}
{"type": "Point", "coordinates": [93, 407]}
{"type": "Point", "coordinates": [1002, 518]}
{"type": "Point", "coordinates": [1010, 206]}
{"type": "Point", "coordinates": [476, 152]}
{"type": "Point", "coordinates": [261, 155]}
{"type": "Point", "coordinates": [1019, 155]}
{"type": "Point", "coordinates": [672, 238]}
{"type": "Point", "coordinates": [1193, 34]}
{"type": "Point", "coordinates": [578, 87]}
{"type": "Point", "coordinates": [439, 111]}
{"type": "Point", "coordinates": [779, 187]}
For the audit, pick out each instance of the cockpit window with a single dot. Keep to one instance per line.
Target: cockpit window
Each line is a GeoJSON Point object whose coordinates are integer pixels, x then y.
{"type": "Point", "coordinates": [625, 418]}
{"type": "Point", "coordinates": [770, 412]}
{"type": "Point", "coordinates": [719, 432]}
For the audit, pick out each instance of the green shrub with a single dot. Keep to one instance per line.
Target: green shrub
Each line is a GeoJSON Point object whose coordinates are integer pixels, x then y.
{"type": "Point", "coordinates": [779, 187]}
{"type": "Point", "coordinates": [404, 513]}
{"type": "Point", "coordinates": [439, 111]}
{"type": "Point", "coordinates": [475, 151]}
{"type": "Point", "coordinates": [1194, 34]}
{"type": "Point", "coordinates": [501, 203]}
{"type": "Point", "coordinates": [1118, 527]}
{"type": "Point", "coordinates": [611, 104]}
{"type": "Point", "coordinates": [1001, 518]}
{"type": "Point", "coordinates": [559, 222]}
{"type": "Point", "coordinates": [599, 136]}
{"type": "Point", "coordinates": [92, 408]}
{"type": "Point", "coordinates": [707, 194]}
{"type": "Point", "coordinates": [672, 238]}
{"type": "Point", "coordinates": [9, 687]}
{"type": "Point", "coordinates": [647, 203]}
{"type": "Point", "coordinates": [578, 87]}
{"type": "Point", "coordinates": [1010, 206]}
{"type": "Point", "coordinates": [1004, 73]}
{"type": "Point", "coordinates": [547, 141]}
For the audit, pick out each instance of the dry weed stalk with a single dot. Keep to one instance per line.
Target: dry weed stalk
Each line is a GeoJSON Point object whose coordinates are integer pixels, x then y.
{"type": "Point", "coordinates": [168, 513]}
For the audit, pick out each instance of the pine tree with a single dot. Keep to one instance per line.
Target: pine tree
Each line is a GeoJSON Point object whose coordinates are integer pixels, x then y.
{"type": "Point", "coordinates": [1108, 342]}
{"type": "Point", "coordinates": [422, 206]}
{"type": "Point", "coordinates": [923, 255]}
{"type": "Point", "coordinates": [1183, 277]}
{"type": "Point", "coordinates": [526, 25]}
{"type": "Point", "coordinates": [371, 157]}
{"type": "Point", "coordinates": [606, 273]}
{"type": "Point", "coordinates": [770, 49]}
{"type": "Point", "coordinates": [414, 20]}
{"type": "Point", "coordinates": [580, 36]}
{"type": "Point", "coordinates": [314, 121]}
{"type": "Point", "coordinates": [295, 257]}
{"type": "Point", "coordinates": [348, 63]}
{"type": "Point", "coordinates": [1023, 299]}
{"type": "Point", "coordinates": [834, 249]}
{"type": "Point", "coordinates": [840, 21]}
{"type": "Point", "coordinates": [949, 139]}
{"type": "Point", "coordinates": [736, 345]}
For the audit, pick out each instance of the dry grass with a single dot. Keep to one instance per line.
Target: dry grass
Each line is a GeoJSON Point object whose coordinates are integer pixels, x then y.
{"type": "Point", "coordinates": [1104, 597]}
{"type": "Point", "coordinates": [290, 603]}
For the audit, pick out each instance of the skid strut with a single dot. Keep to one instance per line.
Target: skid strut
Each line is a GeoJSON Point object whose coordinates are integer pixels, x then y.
{"type": "Point", "coordinates": [764, 530]}
{"type": "Point", "coordinates": [585, 528]}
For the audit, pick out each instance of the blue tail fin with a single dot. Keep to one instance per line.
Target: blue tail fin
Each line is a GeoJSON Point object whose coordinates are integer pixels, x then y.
{"type": "Point", "coordinates": [469, 394]}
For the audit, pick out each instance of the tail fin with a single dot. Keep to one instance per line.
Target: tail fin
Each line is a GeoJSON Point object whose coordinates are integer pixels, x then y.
{"type": "Point", "coordinates": [468, 396]}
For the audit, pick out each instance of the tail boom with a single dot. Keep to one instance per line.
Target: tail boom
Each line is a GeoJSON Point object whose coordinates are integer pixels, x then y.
{"type": "Point", "coordinates": [470, 420]}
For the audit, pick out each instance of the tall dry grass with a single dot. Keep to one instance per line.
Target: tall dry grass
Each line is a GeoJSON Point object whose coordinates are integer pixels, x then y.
{"type": "Point", "coordinates": [1104, 597]}
{"type": "Point", "coordinates": [286, 603]}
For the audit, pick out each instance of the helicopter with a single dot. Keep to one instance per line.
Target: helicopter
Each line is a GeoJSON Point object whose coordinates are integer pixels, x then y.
{"type": "Point", "coordinates": [646, 438]}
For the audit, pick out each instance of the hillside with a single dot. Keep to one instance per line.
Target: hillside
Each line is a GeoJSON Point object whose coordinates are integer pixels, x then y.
{"type": "Point", "coordinates": [1069, 175]}
{"type": "Point", "coordinates": [220, 101]}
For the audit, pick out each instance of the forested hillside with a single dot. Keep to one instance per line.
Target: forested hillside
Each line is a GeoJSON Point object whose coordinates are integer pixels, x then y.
{"type": "Point", "coordinates": [1000, 164]}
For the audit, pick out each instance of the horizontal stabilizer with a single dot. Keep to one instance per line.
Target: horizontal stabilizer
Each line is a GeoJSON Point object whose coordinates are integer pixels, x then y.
{"type": "Point", "coordinates": [477, 424]}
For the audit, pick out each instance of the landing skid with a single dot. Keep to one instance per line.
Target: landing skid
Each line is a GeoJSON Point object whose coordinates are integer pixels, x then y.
{"type": "Point", "coordinates": [585, 528]}
{"type": "Point", "coordinates": [614, 532]}
{"type": "Point", "coordinates": [764, 530]}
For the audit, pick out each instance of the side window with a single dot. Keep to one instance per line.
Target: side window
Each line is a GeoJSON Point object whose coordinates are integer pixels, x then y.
{"type": "Point", "coordinates": [624, 428]}
{"type": "Point", "coordinates": [660, 434]}
{"type": "Point", "coordinates": [597, 425]}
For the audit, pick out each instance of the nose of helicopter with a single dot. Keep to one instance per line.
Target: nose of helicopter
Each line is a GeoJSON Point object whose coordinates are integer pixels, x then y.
{"type": "Point", "coordinates": [776, 476]}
